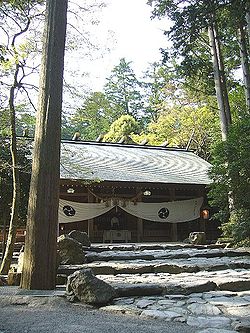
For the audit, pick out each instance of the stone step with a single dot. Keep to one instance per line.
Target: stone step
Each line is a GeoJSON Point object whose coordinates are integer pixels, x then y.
{"type": "Point", "coordinates": [185, 283]}
{"type": "Point", "coordinates": [115, 255]}
{"type": "Point", "coordinates": [156, 266]}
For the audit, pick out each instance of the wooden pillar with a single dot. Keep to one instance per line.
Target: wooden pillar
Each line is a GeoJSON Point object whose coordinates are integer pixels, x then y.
{"type": "Point", "coordinates": [201, 193]}
{"type": "Point", "coordinates": [139, 229]}
{"type": "Point", "coordinates": [91, 199]}
{"type": "Point", "coordinates": [174, 231]}
{"type": "Point", "coordinates": [202, 225]}
{"type": "Point", "coordinates": [139, 225]}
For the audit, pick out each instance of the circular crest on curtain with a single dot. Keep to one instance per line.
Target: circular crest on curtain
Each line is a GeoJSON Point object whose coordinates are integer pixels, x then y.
{"type": "Point", "coordinates": [163, 213]}
{"type": "Point", "coordinates": [69, 211]}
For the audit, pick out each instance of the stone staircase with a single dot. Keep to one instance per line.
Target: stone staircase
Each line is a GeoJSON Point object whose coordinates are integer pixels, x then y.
{"type": "Point", "coordinates": [167, 269]}
{"type": "Point", "coordinates": [204, 286]}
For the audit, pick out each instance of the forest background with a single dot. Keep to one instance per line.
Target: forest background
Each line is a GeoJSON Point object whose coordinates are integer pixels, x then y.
{"type": "Point", "coordinates": [193, 98]}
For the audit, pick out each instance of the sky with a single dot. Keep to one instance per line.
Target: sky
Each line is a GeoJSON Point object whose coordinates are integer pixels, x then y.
{"type": "Point", "coordinates": [130, 32]}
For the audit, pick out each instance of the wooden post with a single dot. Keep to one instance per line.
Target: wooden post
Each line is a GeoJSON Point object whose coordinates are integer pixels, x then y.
{"type": "Point", "coordinates": [201, 193]}
{"type": "Point", "coordinates": [139, 229]}
{"type": "Point", "coordinates": [91, 199]}
{"type": "Point", "coordinates": [174, 231]}
{"type": "Point", "coordinates": [139, 225]}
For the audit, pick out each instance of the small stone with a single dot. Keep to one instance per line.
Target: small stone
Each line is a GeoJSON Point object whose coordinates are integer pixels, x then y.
{"type": "Point", "coordinates": [239, 311]}
{"type": "Point", "coordinates": [218, 293]}
{"type": "Point", "coordinates": [204, 309]}
{"type": "Point", "coordinates": [123, 300]}
{"type": "Point", "coordinates": [166, 302]}
{"type": "Point", "coordinates": [121, 309]}
{"type": "Point", "coordinates": [195, 300]}
{"type": "Point", "coordinates": [215, 330]}
{"type": "Point", "coordinates": [176, 296]}
{"type": "Point", "coordinates": [229, 301]}
{"type": "Point", "coordinates": [180, 303]}
{"type": "Point", "coordinates": [206, 322]}
{"type": "Point", "coordinates": [144, 303]}
{"type": "Point", "coordinates": [153, 314]}
{"type": "Point", "coordinates": [168, 315]}
{"type": "Point", "coordinates": [171, 315]}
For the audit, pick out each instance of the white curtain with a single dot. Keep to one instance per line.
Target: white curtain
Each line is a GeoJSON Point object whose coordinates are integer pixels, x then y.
{"type": "Point", "coordinates": [171, 212]}
{"type": "Point", "coordinates": [70, 211]}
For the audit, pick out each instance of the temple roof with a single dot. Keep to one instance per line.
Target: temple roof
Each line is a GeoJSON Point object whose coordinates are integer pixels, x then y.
{"type": "Point", "coordinates": [131, 163]}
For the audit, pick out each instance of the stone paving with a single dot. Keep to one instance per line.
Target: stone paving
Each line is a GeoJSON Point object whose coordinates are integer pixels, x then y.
{"type": "Point", "coordinates": [206, 287]}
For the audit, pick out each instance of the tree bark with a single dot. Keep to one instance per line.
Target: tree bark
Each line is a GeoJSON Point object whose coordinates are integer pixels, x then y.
{"type": "Point", "coordinates": [244, 63]}
{"type": "Point", "coordinates": [248, 22]}
{"type": "Point", "coordinates": [220, 83]}
{"type": "Point", "coordinates": [39, 267]}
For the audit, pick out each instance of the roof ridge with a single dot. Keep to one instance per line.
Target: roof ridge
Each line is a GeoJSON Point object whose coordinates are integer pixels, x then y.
{"type": "Point", "coordinates": [113, 144]}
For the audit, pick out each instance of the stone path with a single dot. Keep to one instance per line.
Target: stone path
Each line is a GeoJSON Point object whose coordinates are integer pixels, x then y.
{"type": "Point", "coordinates": [207, 287]}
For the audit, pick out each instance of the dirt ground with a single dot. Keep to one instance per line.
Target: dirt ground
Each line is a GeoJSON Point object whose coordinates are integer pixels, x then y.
{"type": "Point", "coordinates": [28, 314]}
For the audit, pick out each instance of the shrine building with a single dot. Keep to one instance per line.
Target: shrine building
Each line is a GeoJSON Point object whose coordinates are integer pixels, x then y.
{"type": "Point", "coordinates": [133, 193]}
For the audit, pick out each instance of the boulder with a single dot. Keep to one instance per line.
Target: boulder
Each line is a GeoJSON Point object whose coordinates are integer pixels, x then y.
{"type": "Point", "coordinates": [14, 278]}
{"type": "Point", "coordinates": [81, 237]}
{"type": "Point", "coordinates": [70, 250]}
{"type": "Point", "coordinates": [3, 281]}
{"type": "Point", "coordinates": [87, 288]}
{"type": "Point", "coordinates": [197, 238]}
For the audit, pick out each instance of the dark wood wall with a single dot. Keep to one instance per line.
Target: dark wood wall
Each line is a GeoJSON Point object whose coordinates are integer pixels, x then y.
{"type": "Point", "coordinates": [147, 231]}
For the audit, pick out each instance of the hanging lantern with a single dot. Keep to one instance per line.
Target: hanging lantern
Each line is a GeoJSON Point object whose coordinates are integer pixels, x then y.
{"type": "Point", "coordinates": [205, 214]}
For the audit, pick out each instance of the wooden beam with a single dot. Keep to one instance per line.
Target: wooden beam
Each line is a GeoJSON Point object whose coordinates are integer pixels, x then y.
{"type": "Point", "coordinates": [91, 199]}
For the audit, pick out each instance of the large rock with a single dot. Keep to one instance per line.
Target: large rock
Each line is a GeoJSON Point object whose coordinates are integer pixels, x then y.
{"type": "Point", "coordinates": [198, 238]}
{"type": "Point", "coordinates": [81, 237]}
{"type": "Point", "coordinates": [70, 250]}
{"type": "Point", "coordinates": [89, 289]}
{"type": "Point", "coordinates": [3, 281]}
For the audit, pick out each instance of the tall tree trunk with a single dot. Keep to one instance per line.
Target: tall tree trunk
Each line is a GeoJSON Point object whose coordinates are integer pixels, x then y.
{"type": "Point", "coordinates": [222, 75]}
{"type": "Point", "coordinates": [220, 81]}
{"type": "Point", "coordinates": [244, 54]}
{"type": "Point", "coordinates": [39, 267]}
{"type": "Point", "coordinates": [248, 22]}
{"type": "Point", "coordinates": [5, 266]}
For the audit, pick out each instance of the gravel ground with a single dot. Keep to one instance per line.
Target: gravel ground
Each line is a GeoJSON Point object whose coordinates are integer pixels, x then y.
{"type": "Point", "coordinates": [56, 315]}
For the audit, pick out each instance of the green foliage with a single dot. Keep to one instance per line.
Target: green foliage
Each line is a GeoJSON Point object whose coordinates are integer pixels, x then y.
{"type": "Point", "coordinates": [178, 125]}
{"type": "Point", "coordinates": [123, 127]}
{"type": "Point", "coordinates": [122, 90]}
{"type": "Point", "coordinates": [190, 45]}
{"type": "Point", "coordinates": [238, 227]}
{"type": "Point", "coordinates": [231, 175]}
{"type": "Point", "coordinates": [25, 122]}
{"type": "Point", "coordinates": [93, 118]}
